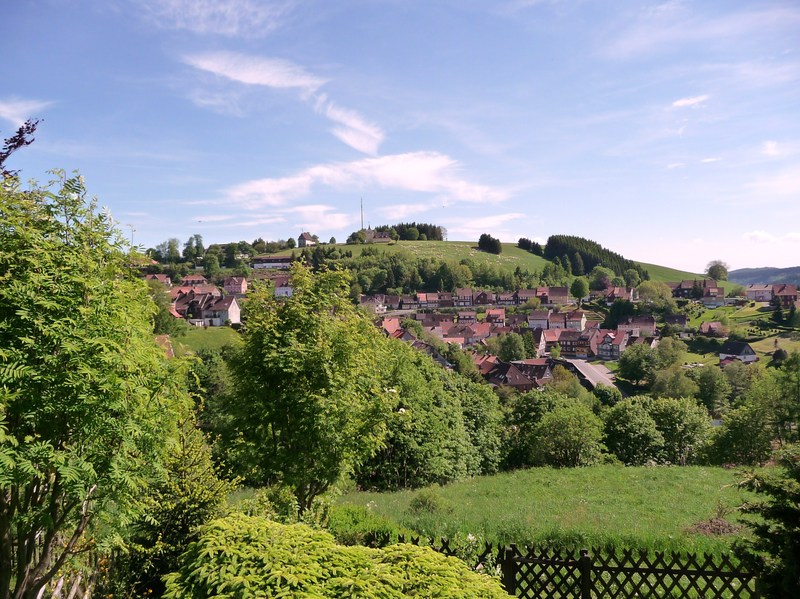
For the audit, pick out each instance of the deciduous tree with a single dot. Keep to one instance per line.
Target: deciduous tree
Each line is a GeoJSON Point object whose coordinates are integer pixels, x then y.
{"type": "Point", "coordinates": [87, 399]}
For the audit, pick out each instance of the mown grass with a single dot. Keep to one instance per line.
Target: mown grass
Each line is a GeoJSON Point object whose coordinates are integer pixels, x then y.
{"type": "Point", "coordinates": [648, 508]}
{"type": "Point", "coordinates": [197, 338]}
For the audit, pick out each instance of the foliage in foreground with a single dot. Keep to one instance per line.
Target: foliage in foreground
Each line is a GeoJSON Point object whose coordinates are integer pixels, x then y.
{"type": "Point", "coordinates": [774, 552]}
{"type": "Point", "coordinates": [250, 556]}
{"type": "Point", "coordinates": [88, 401]}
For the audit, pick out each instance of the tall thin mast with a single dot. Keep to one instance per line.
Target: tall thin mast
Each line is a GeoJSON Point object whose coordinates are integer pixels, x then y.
{"type": "Point", "coordinates": [362, 214]}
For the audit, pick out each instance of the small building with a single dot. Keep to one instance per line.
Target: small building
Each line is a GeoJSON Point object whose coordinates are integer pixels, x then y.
{"type": "Point", "coordinates": [235, 285]}
{"type": "Point", "coordinates": [306, 240]}
{"type": "Point", "coordinates": [738, 350]}
{"type": "Point", "coordinates": [272, 262]}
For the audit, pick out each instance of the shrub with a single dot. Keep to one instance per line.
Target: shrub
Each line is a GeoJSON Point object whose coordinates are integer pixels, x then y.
{"type": "Point", "coordinates": [358, 525]}
{"type": "Point", "coordinates": [243, 556]}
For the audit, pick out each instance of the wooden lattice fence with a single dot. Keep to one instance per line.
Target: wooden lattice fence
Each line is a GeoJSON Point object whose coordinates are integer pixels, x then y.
{"type": "Point", "coordinates": [554, 574]}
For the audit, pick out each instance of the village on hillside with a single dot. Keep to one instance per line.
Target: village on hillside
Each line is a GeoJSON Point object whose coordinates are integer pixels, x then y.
{"type": "Point", "coordinates": [556, 328]}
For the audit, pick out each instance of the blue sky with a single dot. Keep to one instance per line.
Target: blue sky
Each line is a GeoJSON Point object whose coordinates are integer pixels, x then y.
{"type": "Point", "coordinates": [667, 131]}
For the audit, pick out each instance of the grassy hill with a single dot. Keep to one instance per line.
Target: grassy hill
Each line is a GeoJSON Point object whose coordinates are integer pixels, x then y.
{"type": "Point", "coordinates": [509, 259]}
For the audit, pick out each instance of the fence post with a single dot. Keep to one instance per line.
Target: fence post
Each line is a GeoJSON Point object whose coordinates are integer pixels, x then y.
{"type": "Point", "coordinates": [508, 568]}
{"type": "Point", "coordinates": [585, 568]}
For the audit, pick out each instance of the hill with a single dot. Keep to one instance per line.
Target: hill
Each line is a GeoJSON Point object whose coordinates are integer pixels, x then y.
{"type": "Point", "coordinates": [510, 258]}
{"type": "Point", "coordinates": [765, 276]}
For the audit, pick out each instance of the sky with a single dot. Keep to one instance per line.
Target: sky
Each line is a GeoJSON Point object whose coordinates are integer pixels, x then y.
{"type": "Point", "coordinates": [669, 132]}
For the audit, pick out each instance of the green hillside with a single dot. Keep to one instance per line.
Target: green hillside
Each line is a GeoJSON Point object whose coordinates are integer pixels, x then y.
{"type": "Point", "coordinates": [509, 259]}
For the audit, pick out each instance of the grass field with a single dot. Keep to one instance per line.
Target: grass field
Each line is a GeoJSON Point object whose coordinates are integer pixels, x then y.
{"type": "Point", "coordinates": [509, 259]}
{"type": "Point", "coordinates": [198, 338]}
{"type": "Point", "coordinates": [649, 508]}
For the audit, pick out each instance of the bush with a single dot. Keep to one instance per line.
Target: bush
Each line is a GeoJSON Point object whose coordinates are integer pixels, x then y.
{"type": "Point", "coordinates": [358, 525]}
{"type": "Point", "coordinates": [249, 556]}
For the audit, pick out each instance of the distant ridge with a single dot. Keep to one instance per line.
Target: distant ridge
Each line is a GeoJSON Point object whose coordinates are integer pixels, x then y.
{"type": "Point", "coordinates": [766, 275]}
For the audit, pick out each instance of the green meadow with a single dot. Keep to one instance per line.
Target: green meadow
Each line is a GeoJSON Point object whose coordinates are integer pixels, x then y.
{"type": "Point", "coordinates": [648, 508]}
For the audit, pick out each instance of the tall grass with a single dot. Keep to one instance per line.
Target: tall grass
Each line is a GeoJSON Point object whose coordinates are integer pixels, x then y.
{"type": "Point", "coordinates": [648, 508]}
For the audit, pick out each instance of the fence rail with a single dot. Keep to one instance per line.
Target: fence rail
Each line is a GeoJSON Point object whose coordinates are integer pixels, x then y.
{"type": "Point", "coordinates": [554, 574]}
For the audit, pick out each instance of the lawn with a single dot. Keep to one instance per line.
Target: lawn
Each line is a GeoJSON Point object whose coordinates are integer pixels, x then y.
{"type": "Point", "coordinates": [649, 508]}
{"type": "Point", "coordinates": [197, 338]}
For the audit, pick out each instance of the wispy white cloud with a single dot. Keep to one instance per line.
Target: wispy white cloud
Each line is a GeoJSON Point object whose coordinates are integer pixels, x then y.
{"type": "Point", "coordinates": [770, 148]}
{"type": "Point", "coordinates": [710, 160]}
{"type": "Point", "coordinates": [677, 25]}
{"type": "Point", "coordinates": [351, 127]}
{"type": "Point", "coordinates": [256, 70]}
{"type": "Point", "coordinates": [422, 172]}
{"type": "Point", "coordinates": [694, 101]}
{"type": "Point", "coordinates": [675, 165]}
{"type": "Point", "coordinates": [17, 111]}
{"type": "Point", "coordinates": [233, 18]}
{"type": "Point", "coordinates": [213, 218]}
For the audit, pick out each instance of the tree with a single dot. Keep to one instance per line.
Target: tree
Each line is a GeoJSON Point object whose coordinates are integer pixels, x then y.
{"type": "Point", "coordinates": [309, 401]}
{"type": "Point", "coordinates": [632, 278]}
{"type": "Point", "coordinates": [631, 433]}
{"type": "Point", "coordinates": [511, 347]}
{"type": "Point", "coordinates": [743, 438]}
{"type": "Point", "coordinates": [164, 323]}
{"type": "Point", "coordinates": [569, 436]}
{"type": "Point", "coordinates": [487, 243]}
{"type": "Point", "coordinates": [88, 401]}
{"type": "Point", "coordinates": [717, 270]}
{"type": "Point", "coordinates": [673, 382]}
{"type": "Point", "coordinates": [332, 241]}
{"type": "Point", "coordinates": [211, 268]}
{"type": "Point", "coordinates": [656, 297]}
{"type": "Point", "coordinates": [600, 278]}
{"type": "Point", "coordinates": [670, 352]}
{"type": "Point", "coordinates": [23, 137]}
{"type": "Point", "coordinates": [577, 265]}
{"type": "Point", "coordinates": [638, 364]}
{"type": "Point", "coordinates": [713, 388]}
{"type": "Point", "coordinates": [774, 552]}
{"type": "Point", "coordinates": [683, 424]}
{"type": "Point", "coordinates": [411, 234]}
{"type": "Point", "coordinates": [579, 288]}
{"type": "Point", "coordinates": [291, 243]}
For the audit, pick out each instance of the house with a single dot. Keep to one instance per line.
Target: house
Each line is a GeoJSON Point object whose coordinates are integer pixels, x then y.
{"type": "Point", "coordinates": [613, 344]}
{"type": "Point", "coordinates": [539, 342]}
{"type": "Point", "coordinates": [463, 297]}
{"type": "Point", "coordinates": [372, 303]}
{"type": "Point", "coordinates": [568, 340]}
{"type": "Point", "coordinates": [589, 339]}
{"type": "Point", "coordinates": [272, 262]}
{"type": "Point", "coordinates": [306, 240]}
{"type": "Point", "coordinates": [392, 301]}
{"type": "Point", "coordinates": [738, 350]}
{"type": "Point", "coordinates": [551, 337]}
{"type": "Point", "coordinates": [538, 319]}
{"type": "Point", "coordinates": [759, 293]}
{"type": "Point", "coordinates": [506, 374]}
{"type": "Point", "coordinates": [540, 370]}
{"type": "Point", "coordinates": [713, 297]}
{"type": "Point", "coordinates": [644, 326]}
{"type": "Point", "coordinates": [482, 298]}
{"type": "Point", "coordinates": [163, 279]}
{"type": "Point", "coordinates": [446, 299]}
{"type": "Point", "coordinates": [409, 302]}
{"type": "Point", "coordinates": [372, 236]}
{"type": "Point", "coordinates": [525, 295]}
{"type": "Point", "coordinates": [428, 300]}
{"type": "Point", "coordinates": [235, 285]}
{"type": "Point", "coordinates": [283, 286]}
{"type": "Point", "coordinates": [557, 295]}
{"type": "Point", "coordinates": [612, 294]}
{"type": "Point", "coordinates": [676, 320]}
{"type": "Point", "coordinates": [576, 320]}
{"type": "Point", "coordinates": [692, 288]}
{"type": "Point", "coordinates": [557, 320]}
{"type": "Point", "coordinates": [194, 280]}
{"type": "Point", "coordinates": [784, 295]}
{"type": "Point", "coordinates": [496, 316]}
{"type": "Point", "coordinates": [225, 310]}
{"type": "Point", "coordinates": [390, 325]}
{"type": "Point", "coordinates": [506, 299]}
{"type": "Point", "coordinates": [712, 329]}
{"type": "Point", "coordinates": [467, 317]}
